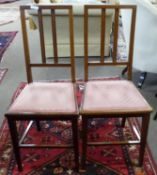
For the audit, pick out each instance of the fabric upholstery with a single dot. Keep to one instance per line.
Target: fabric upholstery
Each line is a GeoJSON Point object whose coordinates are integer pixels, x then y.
{"type": "Point", "coordinates": [45, 98]}
{"type": "Point", "coordinates": [113, 96]}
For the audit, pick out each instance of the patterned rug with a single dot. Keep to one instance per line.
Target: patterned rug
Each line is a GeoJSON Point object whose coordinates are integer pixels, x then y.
{"type": "Point", "coordinates": [5, 39]}
{"type": "Point", "coordinates": [107, 160]}
{"type": "Point", "coordinates": [2, 73]}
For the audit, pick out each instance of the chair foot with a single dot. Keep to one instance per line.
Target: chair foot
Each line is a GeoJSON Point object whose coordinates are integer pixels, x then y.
{"type": "Point", "coordinates": [38, 125]}
{"type": "Point", "coordinates": [20, 168]}
{"type": "Point", "coordinates": [155, 117]}
{"type": "Point", "coordinates": [82, 170]}
{"type": "Point", "coordinates": [144, 131]}
{"type": "Point", "coordinates": [124, 70]}
{"type": "Point", "coordinates": [75, 143]}
{"type": "Point", "coordinates": [84, 142]}
{"type": "Point", "coordinates": [142, 79]}
{"type": "Point", "coordinates": [76, 169]}
{"type": "Point", "coordinates": [14, 138]}
{"type": "Point", "coordinates": [123, 122]}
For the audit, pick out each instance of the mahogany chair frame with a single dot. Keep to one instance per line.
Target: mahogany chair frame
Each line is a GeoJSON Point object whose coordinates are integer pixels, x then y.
{"type": "Point", "coordinates": [14, 117]}
{"type": "Point", "coordinates": [141, 138]}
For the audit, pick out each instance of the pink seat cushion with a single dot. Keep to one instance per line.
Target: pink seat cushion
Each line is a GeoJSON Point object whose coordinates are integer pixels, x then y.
{"type": "Point", "coordinates": [113, 96]}
{"type": "Point", "coordinates": [55, 97]}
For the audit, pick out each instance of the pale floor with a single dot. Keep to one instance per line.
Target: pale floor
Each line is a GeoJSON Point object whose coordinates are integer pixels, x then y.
{"type": "Point", "coordinates": [14, 61]}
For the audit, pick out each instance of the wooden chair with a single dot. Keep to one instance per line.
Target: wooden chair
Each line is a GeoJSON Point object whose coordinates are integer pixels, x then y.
{"type": "Point", "coordinates": [109, 99]}
{"type": "Point", "coordinates": [40, 101]}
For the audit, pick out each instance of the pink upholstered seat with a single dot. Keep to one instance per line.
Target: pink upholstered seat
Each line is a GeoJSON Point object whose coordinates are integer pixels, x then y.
{"type": "Point", "coordinates": [111, 96]}
{"type": "Point", "coordinates": [44, 98]}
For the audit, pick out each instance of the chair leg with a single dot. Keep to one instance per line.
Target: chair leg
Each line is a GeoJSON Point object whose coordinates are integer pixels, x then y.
{"type": "Point", "coordinates": [38, 125]}
{"type": "Point", "coordinates": [142, 79]}
{"type": "Point", "coordinates": [14, 137]}
{"type": "Point", "coordinates": [84, 142]}
{"type": "Point", "coordinates": [155, 117]}
{"type": "Point", "coordinates": [75, 142]}
{"type": "Point", "coordinates": [123, 122]}
{"type": "Point", "coordinates": [124, 70]}
{"type": "Point", "coordinates": [144, 131]}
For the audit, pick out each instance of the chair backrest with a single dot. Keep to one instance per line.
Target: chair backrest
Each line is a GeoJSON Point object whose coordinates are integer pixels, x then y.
{"type": "Point", "coordinates": [113, 61]}
{"type": "Point", "coordinates": [39, 12]}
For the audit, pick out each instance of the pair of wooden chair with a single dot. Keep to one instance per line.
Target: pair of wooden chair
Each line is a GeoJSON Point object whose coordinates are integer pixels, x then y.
{"type": "Point", "coordinates": [40, 101]}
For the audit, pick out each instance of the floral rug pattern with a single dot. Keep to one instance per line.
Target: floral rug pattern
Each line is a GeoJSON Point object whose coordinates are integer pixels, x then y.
{"type": "Point", "coordinates": [105, 160]}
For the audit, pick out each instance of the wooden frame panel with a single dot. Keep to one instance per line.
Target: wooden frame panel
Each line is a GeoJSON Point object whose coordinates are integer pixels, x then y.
{"type": "Point", "coordinates": [114, 61]}
{"type": "Point", "coordinates": [52, 9]}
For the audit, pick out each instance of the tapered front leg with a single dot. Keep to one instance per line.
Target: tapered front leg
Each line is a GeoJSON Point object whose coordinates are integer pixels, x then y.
{"type": "Point", "coordinates": [84, 141]}
{"type": "Point", "coordinates": [14, 137]}
{"type": "Point", "coordinates": [75, 142]}
{"type": "Point", "coordinates": [123, 122]}
{"type": "Point", "coordinates": [144, 132]}
{"type": "Point", "coordinates": [124, 70]}
{"type": "Point", "coordinates": [155, 116]}
{"type": "Point", "coordinates": [38, 125]}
